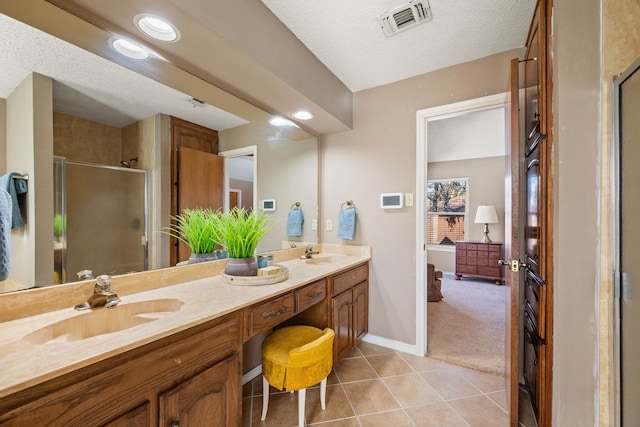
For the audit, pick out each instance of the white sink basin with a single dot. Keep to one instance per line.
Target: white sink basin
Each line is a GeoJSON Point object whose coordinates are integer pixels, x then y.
{"type": "Point", "coordinates": [100, 321]}
{"type": "Point", "coordinates": [324, 259]}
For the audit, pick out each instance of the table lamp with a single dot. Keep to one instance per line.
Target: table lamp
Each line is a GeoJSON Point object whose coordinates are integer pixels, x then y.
{"type": "Point", "coordinates": [486, 215]}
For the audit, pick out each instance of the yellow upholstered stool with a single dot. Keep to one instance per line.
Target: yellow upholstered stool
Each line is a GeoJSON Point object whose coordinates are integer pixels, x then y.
{"type": "Point", "coordinates": [294, 358]}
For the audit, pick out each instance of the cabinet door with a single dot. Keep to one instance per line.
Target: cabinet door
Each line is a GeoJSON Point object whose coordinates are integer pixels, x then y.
{"type": "Point", "coordinates": [211, 398]}
{"type": "Point", "coordinates": [342, 324]}
{"type": "Point", "coordinates": [360, 311]}
{"type": "Point", "coordinates": [138, 417]}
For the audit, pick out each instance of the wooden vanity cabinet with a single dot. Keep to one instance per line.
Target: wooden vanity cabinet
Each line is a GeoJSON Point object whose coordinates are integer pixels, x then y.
{"type": "Point", "coordinates": [191, 378]}
{"type": "Point", "coordinates": [348, 309]}
{"type": "Point", "coordinates": [280, 311]}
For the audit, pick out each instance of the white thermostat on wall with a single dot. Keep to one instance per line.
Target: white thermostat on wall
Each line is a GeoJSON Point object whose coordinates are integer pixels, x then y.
{"type": "Point", "coordinates": [392, 200]}
{"type": "Point", "coordinates": [268, 205]}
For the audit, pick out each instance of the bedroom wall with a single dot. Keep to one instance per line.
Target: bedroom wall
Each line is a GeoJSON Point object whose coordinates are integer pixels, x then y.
{"type": "Point", "coordinates": [486, 187]}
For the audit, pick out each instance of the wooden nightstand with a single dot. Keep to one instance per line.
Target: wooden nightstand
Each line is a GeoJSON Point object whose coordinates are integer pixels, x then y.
{"type": "Point", "coordinates": [479, 259]}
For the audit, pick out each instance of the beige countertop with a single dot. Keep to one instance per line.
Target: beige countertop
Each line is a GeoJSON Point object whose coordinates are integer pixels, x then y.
{"type": "Point", "coordinates": [25, 364]}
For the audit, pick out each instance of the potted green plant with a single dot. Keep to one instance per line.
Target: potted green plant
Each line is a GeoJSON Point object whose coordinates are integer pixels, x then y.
{"type": "Point", "coordinates": [198, 229]}
{"type": "Point", "coordinates": [240, 232]}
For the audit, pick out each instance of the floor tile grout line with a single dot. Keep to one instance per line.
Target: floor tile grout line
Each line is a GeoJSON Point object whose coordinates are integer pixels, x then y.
{"type": "Point", "coordinates": [349, 401]}
{"type": "Point", "coordinates": [389, 390]}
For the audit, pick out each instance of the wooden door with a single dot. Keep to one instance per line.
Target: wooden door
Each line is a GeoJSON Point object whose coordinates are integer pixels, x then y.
{"type": "Point", "coordinates": [342, 325]}
{"type": "Point", "coordinates": [531, 228]}
{"type": "Point", "coordinates": [512, 245]}
{"type": "Point", "coordinates": [207, 399]}
{"type": "Point", "coordinates": [197, 173]}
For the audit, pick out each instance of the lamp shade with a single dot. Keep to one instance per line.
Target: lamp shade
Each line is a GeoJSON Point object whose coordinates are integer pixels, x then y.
{"type": "Point", "coordinates": [486, 214]}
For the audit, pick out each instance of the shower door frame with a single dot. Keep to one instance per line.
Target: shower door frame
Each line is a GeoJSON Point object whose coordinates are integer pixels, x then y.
{"type": "Point", "coordinates": [620, 281]}
{"type": "Point", "coordinates": [64, 162]}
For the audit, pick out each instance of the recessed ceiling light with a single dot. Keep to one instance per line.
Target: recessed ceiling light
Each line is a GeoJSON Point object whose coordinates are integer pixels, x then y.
{"type": "Point", "coordinates": [128, 48]}
{"type": "Point", "coordinates": [280, 121]}
{"type": "Point", "coordinates": [157, 28]}
{"type": "Point", "coordinates": [303, 115]}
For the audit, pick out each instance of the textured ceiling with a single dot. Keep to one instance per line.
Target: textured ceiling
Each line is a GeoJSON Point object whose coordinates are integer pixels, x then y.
{"type": "Point", "coordinates": [346, 37]}
{"type": "Point", "coordinates": [82, 78]}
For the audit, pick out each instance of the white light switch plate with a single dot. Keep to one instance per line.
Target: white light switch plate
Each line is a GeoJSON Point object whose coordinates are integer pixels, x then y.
{"type": "Point", "coordinates": [314, 224]}
{"type": "Point", "coordinates": [329, 225]}
{"type": "Point", "coordinates": [408, 199]}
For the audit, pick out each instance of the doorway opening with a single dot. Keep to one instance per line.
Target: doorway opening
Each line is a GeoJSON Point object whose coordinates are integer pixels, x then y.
{"type": "Point", "coordinates": [427, 123]}
{"type": "Point", "coordinates": [240, 178]}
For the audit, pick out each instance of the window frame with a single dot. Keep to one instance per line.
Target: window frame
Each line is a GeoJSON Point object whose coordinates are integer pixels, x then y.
{"type": "Point", "coordinates": [439, 247]}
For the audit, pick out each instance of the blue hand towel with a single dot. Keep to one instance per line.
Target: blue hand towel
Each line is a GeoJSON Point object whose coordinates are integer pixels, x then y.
{"type": "Point", "coordinates": [5, 234]}
{"type": "Point", "coordinates": [11, 186]}
{"type": "Point", "coordinates": [347, 223]}
{"type": "Point", "coordinates": [294, 222]}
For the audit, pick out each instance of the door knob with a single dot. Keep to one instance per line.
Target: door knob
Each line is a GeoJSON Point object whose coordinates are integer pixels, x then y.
{"type": "Point", "coordinates": [514, 264]}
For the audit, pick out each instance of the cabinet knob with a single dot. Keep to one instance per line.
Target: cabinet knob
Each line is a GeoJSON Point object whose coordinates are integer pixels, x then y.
{"type": "Point", "coordinates": [175, 423]}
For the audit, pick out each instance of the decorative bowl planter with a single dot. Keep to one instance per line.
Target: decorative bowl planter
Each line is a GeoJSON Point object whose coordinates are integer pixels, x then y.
{"type": "Point", "coordinates": [242, 267]}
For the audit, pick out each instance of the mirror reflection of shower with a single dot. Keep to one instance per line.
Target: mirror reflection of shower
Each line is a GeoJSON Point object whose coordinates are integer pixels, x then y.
{"type": "Point", "coordinates": [129, 163]}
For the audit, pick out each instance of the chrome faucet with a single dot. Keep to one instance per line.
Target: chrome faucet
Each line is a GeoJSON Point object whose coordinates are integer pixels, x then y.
{"type": "Point", "coordinates": [308, 252]}
{"type": "Point", "coordinates": [102, 295]}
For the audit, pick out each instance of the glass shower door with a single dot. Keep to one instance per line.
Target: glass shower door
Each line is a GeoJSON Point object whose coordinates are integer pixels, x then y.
{"type": "Point", "coordinates": [627, 91]}
{"type": "Point", "coordinates": [106, 221]}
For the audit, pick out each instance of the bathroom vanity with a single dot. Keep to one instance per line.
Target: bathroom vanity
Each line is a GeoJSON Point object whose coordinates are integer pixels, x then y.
{"type": "Point", "coordinates": [172, 354]}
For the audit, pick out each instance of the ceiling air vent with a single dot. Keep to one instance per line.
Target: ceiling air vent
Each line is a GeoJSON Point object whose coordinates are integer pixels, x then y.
{"type": "Point", "coordinates": [404, 17]}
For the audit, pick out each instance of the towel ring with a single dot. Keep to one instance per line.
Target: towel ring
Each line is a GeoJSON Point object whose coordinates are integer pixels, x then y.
{"type": "Point", "coordinates": [295, 206]}
{"type": "Point", "coordinates": [349, 203]}
{"type": "Point", "coordinates": [25, 177]}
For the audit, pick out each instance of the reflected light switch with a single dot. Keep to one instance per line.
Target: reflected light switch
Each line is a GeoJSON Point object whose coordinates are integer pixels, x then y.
{"type": "Point", "coordinates": [329, 226]}
{"type": "Point", "coordinates": [314, 224]}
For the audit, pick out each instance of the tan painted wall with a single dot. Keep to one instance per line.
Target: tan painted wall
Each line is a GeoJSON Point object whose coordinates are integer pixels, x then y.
{"type": "Point", "coordinates": [379, 156]}
{"type": "Point", "coordinates": [576, 133]}
{"type": "Point", "coordinates": [287, 172]}
{"type": "Point", "coordinates": [620, 48]}
{"type": "Point", "coordinates": [486, 187]}
{"type": "Point", "coordinates": [30, 151]}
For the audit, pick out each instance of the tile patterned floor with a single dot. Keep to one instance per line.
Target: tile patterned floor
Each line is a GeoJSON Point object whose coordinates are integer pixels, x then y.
{"type": "Point", "coordinates": [376, 386]}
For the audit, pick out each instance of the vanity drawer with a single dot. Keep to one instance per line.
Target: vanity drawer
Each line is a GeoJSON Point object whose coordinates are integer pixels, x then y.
{"type": "Point", "coordinates": [310, 295]}
{"type": "Point", "coordinates": [267, 315]}
{"type": "Point", "coordinates": [349, 279]}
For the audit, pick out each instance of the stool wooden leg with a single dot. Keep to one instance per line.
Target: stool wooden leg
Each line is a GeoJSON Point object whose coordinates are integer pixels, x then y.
{"type": "Point", "coordinates": [265, 398]}
{"type": "Point", "coordinates": [323, 394]}
{"type": "Point", "coordinates": [302, 394]}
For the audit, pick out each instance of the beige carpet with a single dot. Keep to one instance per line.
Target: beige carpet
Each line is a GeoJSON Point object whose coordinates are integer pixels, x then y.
{"type": "Point", "coordinates": [467, 327]}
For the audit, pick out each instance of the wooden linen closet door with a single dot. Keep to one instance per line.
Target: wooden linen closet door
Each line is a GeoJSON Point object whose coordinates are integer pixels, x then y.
{"type": "Point", "coordinates": [197, 174]}
{"type": "Point", "coordinates": [201, 185]}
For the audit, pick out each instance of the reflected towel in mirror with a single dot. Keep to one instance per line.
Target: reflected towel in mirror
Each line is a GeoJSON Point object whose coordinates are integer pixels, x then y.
{"type": "Point", "coordinates": [5, 234]}
{"type": "Point", "coordinates": [14, 187]}
{"type": "Point", "coordinates": [347, 223]}
{"type": "Point", "coordinates": [294, 222]}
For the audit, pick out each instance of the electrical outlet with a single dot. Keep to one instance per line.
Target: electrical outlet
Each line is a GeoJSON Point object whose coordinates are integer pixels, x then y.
{"type": "Point", "coordinates": [329, 225]}
{"type": "Point", "coordinates": [408, 199]}
{"type": "Point", "coordinates": [314, 224]}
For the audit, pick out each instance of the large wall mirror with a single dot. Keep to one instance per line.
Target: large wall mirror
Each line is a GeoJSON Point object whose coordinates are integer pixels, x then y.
{"type": "Point", "coordinates": [89, 110]}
